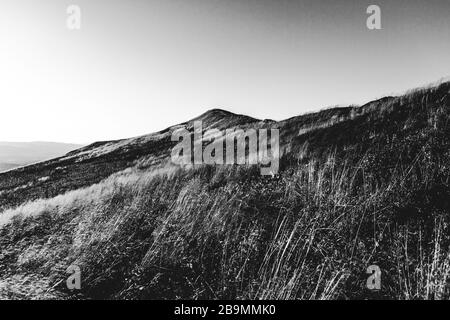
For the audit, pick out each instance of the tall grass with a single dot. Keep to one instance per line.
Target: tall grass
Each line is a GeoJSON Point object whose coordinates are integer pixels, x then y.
{"type": "Point", "coordinates": [227, 232]}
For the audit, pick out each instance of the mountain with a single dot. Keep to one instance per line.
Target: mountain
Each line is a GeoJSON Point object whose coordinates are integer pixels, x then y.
{"type": "Point", "coordinates": [357, 186]}
{"type": "Point", "coordinates": [16, 154]}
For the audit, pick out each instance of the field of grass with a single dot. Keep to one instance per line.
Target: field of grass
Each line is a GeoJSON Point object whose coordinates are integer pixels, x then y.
{"type": "Point", "coordinates": [370, 187]}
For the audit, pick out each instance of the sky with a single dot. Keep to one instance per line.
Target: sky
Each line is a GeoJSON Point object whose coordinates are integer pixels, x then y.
{"type": "Point", "coordinates": [139, 66]}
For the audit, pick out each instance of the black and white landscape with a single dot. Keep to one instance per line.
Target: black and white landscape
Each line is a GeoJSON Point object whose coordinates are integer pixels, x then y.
{"type": "Point", "coordinates": [357, 186]}
{"type": "Point", "coordinates": [280, 150]}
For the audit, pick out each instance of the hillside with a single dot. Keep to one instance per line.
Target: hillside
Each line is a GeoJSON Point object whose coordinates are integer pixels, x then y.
{"type": "Point", "coordinates": [17, 154]}
{"type": "Point", "coordinates": [357, 186]}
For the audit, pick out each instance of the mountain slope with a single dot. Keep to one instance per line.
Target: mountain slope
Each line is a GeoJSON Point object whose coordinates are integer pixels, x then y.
{"type": "Point", "coordinates": [92, 163]}
{"type": "Point", "coordinates": [357, 186]}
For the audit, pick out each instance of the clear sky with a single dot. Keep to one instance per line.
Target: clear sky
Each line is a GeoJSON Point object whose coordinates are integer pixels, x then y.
{"type": "Point", "coordinates": [138, 66]}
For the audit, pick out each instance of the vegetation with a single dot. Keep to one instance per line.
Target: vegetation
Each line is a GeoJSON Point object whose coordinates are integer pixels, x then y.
{"type": "Point", "coordinates": [361, 186]}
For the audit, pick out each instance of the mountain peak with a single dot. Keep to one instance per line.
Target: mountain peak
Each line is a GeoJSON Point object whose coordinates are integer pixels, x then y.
{"type": "Point", "coordinates": [220, 118]}
{"type": "Point", "coordinates": [217, 112]}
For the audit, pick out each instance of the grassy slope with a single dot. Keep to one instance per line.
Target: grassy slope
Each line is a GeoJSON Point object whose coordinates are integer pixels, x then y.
{"type": "Point", "coordinates": [93, 163]}
{"type": "Point", "coordinates": [359, 186]}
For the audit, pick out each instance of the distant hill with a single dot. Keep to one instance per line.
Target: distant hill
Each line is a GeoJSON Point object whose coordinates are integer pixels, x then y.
{"type": "Point", "coordinates": [16, 154]}
{"type": "Point", "coordinates": [358, 186]}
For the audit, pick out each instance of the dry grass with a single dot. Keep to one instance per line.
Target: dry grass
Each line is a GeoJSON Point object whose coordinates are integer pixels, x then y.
{"type": "Point", "coordinates": [227, 232]}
